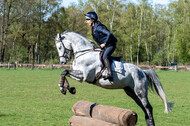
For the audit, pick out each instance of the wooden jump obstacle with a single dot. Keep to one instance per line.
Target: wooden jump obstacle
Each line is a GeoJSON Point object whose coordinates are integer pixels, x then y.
{"type": "Point", "coordinates": [92, 114]}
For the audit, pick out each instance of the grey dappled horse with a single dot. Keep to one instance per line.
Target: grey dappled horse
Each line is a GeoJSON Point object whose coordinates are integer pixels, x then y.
{"type": "Point", "coordinates": [87, 64]}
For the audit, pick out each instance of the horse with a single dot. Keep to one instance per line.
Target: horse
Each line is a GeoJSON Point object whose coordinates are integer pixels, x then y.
{"type": "Point", "coordinates": [86, 65]}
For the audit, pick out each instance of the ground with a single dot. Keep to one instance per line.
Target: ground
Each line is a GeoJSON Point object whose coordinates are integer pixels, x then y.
{"type": "Point", "coordinates": [32, 97]}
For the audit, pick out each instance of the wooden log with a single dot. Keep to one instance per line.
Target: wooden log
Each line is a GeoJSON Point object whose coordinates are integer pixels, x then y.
{"type": "Point", "coordinates": [115, 115]}
{"type": "Point", "coordinates": [86, 121]}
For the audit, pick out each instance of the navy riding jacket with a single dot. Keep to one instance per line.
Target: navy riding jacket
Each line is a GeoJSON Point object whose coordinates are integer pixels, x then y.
{"type": "Point", "coordinates": [102, 35]}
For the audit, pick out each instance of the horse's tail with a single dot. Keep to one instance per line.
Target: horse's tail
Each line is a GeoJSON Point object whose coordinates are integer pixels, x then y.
{"type": "Point", "coordinates": [154, 81]}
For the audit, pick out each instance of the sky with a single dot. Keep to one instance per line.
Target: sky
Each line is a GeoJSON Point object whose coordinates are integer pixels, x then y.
{"type": "Point", "coordinates": [66, 3]}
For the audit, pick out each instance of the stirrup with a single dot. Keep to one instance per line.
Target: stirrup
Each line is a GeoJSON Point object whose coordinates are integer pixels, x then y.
{"type": "Point", "coordinates": [109, 77]}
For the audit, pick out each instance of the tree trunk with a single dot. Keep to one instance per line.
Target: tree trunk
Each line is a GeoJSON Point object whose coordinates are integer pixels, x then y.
{"type": "Point", "coordinates": [4, 28]}
{"type": "Point", "coordinates": [139, 37]}
{"type": "Point", "coordinates": [113, 15]}
{"type": "Point", "coordinates": [131, 42]}
{"type": "Point", "coordinates": [174, 50]}
{"type": "Point", "coordinates": [146, 43]}
{"type": "Point", "coordinates": [3, 32]}
{"type": "Point", "coordinates": [33, 56]}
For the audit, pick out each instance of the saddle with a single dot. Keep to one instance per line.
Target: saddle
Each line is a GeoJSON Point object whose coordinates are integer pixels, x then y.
{"type": "Point", "coordinates": [117, 58]}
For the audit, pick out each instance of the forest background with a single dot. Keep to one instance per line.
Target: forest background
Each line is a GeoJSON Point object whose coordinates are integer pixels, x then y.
{"type": "Point", "coordinates": [147, 34]}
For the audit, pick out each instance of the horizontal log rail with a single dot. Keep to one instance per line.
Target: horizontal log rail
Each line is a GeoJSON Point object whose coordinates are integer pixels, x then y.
{"type": "Point", "coordinates": [68, 66]}
{"type": "Point", "coordinates": [36, 66]}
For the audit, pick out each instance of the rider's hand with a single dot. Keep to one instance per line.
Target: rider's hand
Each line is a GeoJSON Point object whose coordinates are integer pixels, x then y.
{"type": "Point", "coordinates": [102, 45]}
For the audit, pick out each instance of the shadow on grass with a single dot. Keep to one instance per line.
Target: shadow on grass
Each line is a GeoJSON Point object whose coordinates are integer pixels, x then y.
{"type": "Point", "coordinates": [7, 115]}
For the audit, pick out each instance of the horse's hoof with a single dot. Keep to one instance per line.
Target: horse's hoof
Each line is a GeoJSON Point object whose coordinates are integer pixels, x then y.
{"type": "Point", "coordinates": [72, 90]}
{"type": "Point", "coordinates": [150, 122]}
{"type": "Point", "coordinates": [64, 91]}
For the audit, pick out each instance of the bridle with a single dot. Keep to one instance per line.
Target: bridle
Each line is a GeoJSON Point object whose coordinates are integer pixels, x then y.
{"type": "Point", "coordinates": [67, 51]}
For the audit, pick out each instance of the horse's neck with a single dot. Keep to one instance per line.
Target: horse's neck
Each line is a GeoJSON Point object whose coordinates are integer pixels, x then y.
{"type": "Point", "coordinates": [81, 45]}
{"type": "Point", "coordinates": [89, 59]}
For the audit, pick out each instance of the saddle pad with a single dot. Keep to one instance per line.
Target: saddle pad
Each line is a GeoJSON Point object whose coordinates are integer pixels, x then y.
{"type": "Point", "coordinates": [117, 66]}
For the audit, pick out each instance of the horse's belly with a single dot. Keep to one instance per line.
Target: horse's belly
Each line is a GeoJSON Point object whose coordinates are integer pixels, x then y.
{"type": "Point", "coordinates": [119, 82]}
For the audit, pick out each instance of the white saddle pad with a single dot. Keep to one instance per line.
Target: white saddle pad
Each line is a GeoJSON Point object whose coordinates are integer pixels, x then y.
{"type": "Point", "coordinates": [117, 66]}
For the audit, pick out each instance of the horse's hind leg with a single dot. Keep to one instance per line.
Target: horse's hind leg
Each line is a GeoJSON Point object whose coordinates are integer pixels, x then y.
{"type": "Point", "coordinates": [143, 102]}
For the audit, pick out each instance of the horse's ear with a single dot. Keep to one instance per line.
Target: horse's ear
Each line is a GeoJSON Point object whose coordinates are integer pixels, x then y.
{"type": "Point", "coordinates": [61, 37]}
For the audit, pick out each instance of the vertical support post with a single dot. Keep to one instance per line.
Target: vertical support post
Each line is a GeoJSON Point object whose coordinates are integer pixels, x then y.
{"type": "Point", "coordinates": [51, 66]}
{"type": "Point", "coordinates": [14, 66]}
{"type": "Point", "coordinates": [32, 67]}
{"type": "Point", "coordinates": [9, 66]}
{"type": "Point", "coordinates": [176, 67]}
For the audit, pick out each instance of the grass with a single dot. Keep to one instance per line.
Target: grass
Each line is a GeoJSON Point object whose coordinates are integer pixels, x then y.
{"type": "Point", "coordinates": [32, 98]}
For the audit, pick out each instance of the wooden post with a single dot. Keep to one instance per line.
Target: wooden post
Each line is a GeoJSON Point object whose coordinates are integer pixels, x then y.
{"type": "Point", "coordinates": [32, 66]}
{"type": "Point", "coordinates": [14, 66]}
{"type": "Point", "coordinates": [9, 66]}
{"type": "Point", "coordinates": [51, 66]}
{"type": "Point", "coordinates": [176, 67]}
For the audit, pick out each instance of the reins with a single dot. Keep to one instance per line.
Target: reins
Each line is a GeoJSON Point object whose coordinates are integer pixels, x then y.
{"type": "Point", "coordinates": [86, 50]}
{"type": "Point", "coordinates": [91, 49]}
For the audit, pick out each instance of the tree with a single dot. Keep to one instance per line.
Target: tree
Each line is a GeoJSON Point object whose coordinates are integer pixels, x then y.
{"type": "Point", "coordinates": [146, 34]}
{"type": "Point", "coordinates": [6, 6]}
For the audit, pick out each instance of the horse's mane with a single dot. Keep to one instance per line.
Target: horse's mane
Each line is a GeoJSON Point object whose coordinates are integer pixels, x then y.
{"type": "Point", "coordinates": [81, 36]}
{"type": "Point", "coordinates": [74, 32]}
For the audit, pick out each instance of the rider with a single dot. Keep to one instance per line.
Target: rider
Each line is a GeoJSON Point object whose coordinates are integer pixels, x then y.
{"type": "Point", "coordinates": [104, 38]}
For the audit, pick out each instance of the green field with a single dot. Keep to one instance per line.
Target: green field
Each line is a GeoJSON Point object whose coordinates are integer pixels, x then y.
{"type": "Point", "coordinates": [32, 98]}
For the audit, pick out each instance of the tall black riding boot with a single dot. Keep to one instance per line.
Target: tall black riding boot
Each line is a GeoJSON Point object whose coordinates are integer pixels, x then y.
{"type": "Point", "coordinates": [108, 66]}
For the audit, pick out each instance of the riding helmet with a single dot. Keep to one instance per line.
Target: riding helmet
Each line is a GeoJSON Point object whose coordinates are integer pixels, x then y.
{"type": "Point", "coordinates": [91, 15]}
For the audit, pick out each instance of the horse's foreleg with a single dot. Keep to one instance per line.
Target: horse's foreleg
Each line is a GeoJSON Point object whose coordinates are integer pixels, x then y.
{"type": "Point", "coordinates": [75, 74]}
{"type": "Point", "coordinates": [63, 83]}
